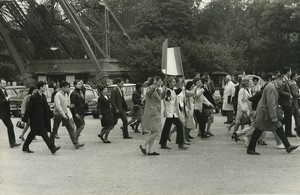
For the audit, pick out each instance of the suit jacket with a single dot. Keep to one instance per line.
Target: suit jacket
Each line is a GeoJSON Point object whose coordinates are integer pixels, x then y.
{"type": "Point", "coordinates": [117, 101]}
{"type": "Point", "coordinates": [4, 106]}
{"type": "Point", "coordinates": [284, 94]}
{"type": "Point", "coordinates": [209, 97]}
{"type": "Point", "coordinates": [295, 93]}
{"type": "Point", "coordinates": [39, 113]}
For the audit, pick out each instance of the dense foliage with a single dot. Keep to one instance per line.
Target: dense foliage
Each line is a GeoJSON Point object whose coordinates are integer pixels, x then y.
{"type": "Point", "coordinates": [222, 35]}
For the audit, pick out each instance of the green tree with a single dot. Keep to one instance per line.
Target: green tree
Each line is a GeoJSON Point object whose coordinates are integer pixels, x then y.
{"type": "Point", "coordinates": [144, 57]}
{"type": "Point", "coordinates": [171, 18]}
{"type": "Point", "coordinates": [8, 72]}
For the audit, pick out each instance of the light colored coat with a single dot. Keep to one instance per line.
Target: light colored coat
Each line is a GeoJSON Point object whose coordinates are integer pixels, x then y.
{"type": "Point", "coordinates": [268, 113]}
{"type": "Point", "coordinates": [152, 112]}
{"type": "Point", "coordinates": [229, 90]}
{"type": "Point", "coordinates": [190, 121]}
{"type": "Point", "coordinates": [243, 103]}
{"type": "Point", "coordinates": [25, 103]}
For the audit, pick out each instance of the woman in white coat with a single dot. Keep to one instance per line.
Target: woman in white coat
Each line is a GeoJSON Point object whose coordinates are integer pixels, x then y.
{"type": "Point", "coordinates": [243, 104]}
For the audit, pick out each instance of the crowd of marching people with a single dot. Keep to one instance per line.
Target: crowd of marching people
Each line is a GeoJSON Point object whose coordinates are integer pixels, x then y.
{"type": "Point", "coordinates": [263, 108]}
{"type": "Point", "coordinates": [251, 107]}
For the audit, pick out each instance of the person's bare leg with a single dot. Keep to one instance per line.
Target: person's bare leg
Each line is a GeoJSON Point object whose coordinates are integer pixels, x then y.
{"type": "Point", "coordinates": [151, 142]}
{"type": "Point", "coordinates": [107, 132]}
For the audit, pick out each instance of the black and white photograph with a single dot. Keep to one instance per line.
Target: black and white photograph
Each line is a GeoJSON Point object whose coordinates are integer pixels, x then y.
{"type": "Point", "coordinates": [158, 97]}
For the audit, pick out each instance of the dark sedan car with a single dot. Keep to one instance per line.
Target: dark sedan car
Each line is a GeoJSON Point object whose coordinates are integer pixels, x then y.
{"type": "Point", "coordinates": [16, 102]}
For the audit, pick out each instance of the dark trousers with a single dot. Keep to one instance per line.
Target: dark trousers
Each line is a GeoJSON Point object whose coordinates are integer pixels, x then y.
{"type": "Point", "coordinates": [257, 133]}
{"type": "Point", "coordinates": [229, 115]}
{"type": "Point", "coordinates": [67, 124]}
{"type": "Point", "coordinates": [123, 117]}
{"type": "Point", "coordinates": [44, 135]}
{"type": "Point", "coordinates": [287, 120]}
{"type": "Point", "coordinates": [10, 130]}
{"type": "Point", "coordinates": [202, 120]}
{"type": "Point", "coordinates": [167, 128]}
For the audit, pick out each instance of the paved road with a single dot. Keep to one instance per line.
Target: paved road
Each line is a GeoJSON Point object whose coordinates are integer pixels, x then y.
{"type": "Point", "coordinates": [214, 166]}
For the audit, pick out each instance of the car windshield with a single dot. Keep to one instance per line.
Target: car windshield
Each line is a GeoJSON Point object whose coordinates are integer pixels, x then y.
{"type": "Point", "coordinates": [90, 94]}
{"type": "Point", "coordinates": [11, 92]}
{"type": "Point", "coordinates": [22, 93]}
{"type": "Point", "coordinates": [18, 89]}
{"type": "Point", "coordinates": [128, 90]}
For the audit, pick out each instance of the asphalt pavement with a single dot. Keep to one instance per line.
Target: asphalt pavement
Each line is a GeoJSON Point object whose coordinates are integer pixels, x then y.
{"type": "Point", "coordinates": [217, 165]}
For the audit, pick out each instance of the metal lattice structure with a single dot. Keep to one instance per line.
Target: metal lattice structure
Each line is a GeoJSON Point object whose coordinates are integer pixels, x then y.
{"type": "Point", "coordinates": [76, 30]}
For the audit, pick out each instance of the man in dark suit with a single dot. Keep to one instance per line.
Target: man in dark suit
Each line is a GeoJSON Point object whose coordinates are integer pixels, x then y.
{"type": "Point", "coordinates": [39, 113]}
{"type": "Point", "coordinates": [285, 100]}
{"type": "Point", "coordinates": [5, 114]}
{"type": "Point", "coordinates": [119, 106]}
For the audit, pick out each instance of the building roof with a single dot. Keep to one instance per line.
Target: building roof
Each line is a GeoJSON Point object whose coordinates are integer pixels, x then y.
{"type": "Point", "coordinates": [72, 66]}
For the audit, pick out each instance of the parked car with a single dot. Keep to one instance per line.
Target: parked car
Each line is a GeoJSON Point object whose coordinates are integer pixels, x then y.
{"type": "Point", "coordinates": [128, 89]}
{"type": "Point", "coordinates": [14, 90]}
{"type": "Point", "coordinates": [91, 98]}
{"type": "Point", "coordinates": [16, 102]}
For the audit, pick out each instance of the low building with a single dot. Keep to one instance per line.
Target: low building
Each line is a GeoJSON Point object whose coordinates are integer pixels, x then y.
{"type": "Point", "coordinates": [54, 71]}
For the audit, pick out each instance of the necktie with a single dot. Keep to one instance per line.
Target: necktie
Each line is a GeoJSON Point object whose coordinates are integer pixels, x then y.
{"type": "Point", "coordinates": [5, 93]}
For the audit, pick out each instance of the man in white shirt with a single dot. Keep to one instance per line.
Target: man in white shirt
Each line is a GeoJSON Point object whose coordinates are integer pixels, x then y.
{"type": "Point", "coordinates": [200, 99]}
{"type": "Point", "coordinates": [61, 105]}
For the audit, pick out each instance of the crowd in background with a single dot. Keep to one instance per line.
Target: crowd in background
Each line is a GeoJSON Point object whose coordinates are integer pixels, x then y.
{"type": "Point", "coordinates": [174, 104]}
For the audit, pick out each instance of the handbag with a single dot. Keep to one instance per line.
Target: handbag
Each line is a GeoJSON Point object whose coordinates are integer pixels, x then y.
{"type": "Point", "coordinates": [20, 124]}
{"type": "Point", "coordinates": [245, 120]}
